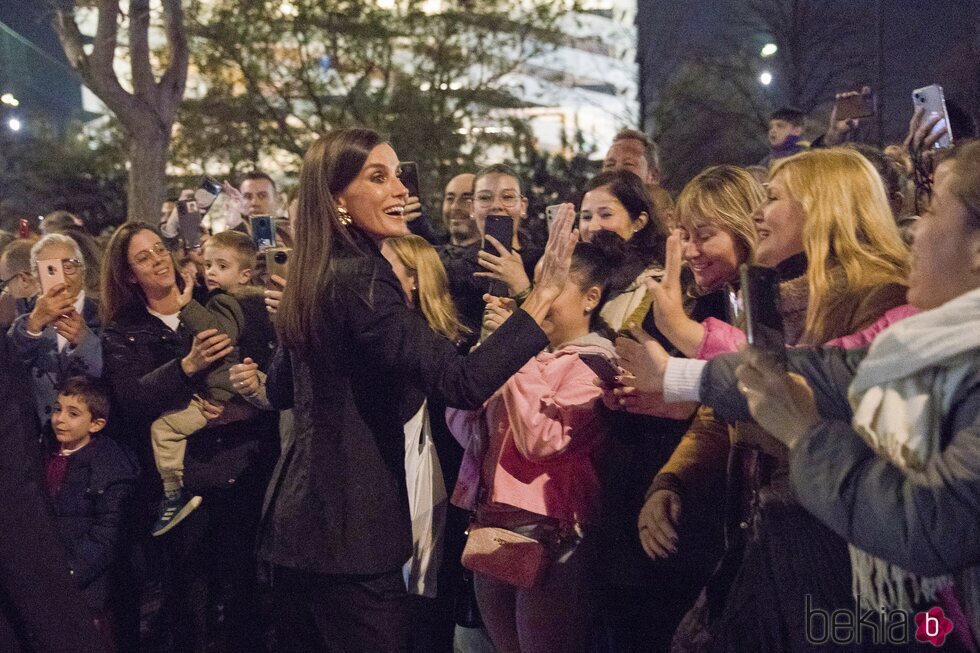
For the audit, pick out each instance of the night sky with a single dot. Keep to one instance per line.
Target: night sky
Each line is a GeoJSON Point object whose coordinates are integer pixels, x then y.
{"type": "Point", "coordinates": [925, 42]}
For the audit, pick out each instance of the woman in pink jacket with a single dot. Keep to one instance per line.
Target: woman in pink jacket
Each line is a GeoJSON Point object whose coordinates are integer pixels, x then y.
{"type": "Point", "coordinates": [529, 465]}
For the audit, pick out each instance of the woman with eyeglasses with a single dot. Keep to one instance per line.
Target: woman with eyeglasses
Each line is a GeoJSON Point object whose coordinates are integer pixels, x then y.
{"type": "Point", "coordinates": [497, 191]}
{"type": "Point", "coordinates": [59, 337]}
{"type": "Point", "coordinates": [154, 364]}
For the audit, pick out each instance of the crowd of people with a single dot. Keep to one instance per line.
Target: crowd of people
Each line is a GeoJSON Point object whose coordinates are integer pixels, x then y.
{"type": "Point", "coordinates": [420, 439]}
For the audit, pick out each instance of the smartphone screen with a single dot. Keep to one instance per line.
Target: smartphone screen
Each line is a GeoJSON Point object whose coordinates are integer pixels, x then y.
{"type": "Point", "coordinates": [264, 231]}
{"type": "Point", "coordinates": [856, 106]}
{"type": "Point", "coordinates": [410, 177]}
{"type": "Point", "coordinates": [763, 321]}
{"type": "Point", "coordinates": [933, 103]}
{"type": "Point", "coordinates": [189, 223]}
{"type": "Point", "coordinates": [602, 366]}
{"type": "Point", "coordinates": [51, 272]}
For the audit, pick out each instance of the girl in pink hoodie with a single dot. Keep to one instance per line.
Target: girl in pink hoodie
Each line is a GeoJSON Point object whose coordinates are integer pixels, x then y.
{"type": "Point", "coordinates": [529, 464]}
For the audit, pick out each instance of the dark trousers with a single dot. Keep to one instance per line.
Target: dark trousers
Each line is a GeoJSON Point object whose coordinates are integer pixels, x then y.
{"type": "Point", "coordinates": [327, 613]}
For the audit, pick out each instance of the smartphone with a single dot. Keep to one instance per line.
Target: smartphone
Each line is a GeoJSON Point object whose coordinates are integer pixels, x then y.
{"type": "Point", "coordinates": [933, 103]}
{"type": "Point", "coordinates": [276, 262]}
{"type": "Point", "coordinates": [206, 193]}
{"type": "Point", "coordinates": [550, 213]}
{"type": "Point", "coordinates": [410, 177]}
{"type": "Point", "coordinates": [602, 366]}
{"type": "Point", "coordinates": [189, 223]}
{"type": "Point", "coordinates": [264, 231]}
{"type": "Point", "coordinates": [763, 321]}
{"type": "Point", "coordinates": [51, 272]}
{"type": "Point", "coordinates": [857, 106]}
{"type": "Point", "coordinates": [500, 227]}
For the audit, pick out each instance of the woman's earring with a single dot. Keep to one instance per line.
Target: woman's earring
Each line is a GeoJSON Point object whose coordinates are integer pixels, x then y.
{"type": "Point", "coordinates": [343, 216]}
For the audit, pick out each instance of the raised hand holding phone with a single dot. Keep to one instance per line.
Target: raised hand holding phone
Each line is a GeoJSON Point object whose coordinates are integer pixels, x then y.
{"type": "Point", "coordinates": [50, 305]}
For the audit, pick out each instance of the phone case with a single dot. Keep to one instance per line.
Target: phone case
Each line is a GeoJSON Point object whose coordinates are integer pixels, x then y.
{"type": "Point", "coordinates": [763, 321]}
{"type": "Point", "coordinates": [602, 366]}
{"type": "Point", "coordinates": [856, 106]}
{"type": "Point", "coordinates": [933, 103]}
{"type": "Point", "coordinates": [277, 261]}
{"type": "Point", "coordinates": [51, 272]}
{"type": "Point", "coordinates": [550, 213]}
{"type": "Point", "coordinates": [500, 227]}
{"type": "Point", "coordinates": [189, 222]}
{"type": "Point", "coordinates": [410, 178]}
{"type": "Point", "coordinates": [264, 231]}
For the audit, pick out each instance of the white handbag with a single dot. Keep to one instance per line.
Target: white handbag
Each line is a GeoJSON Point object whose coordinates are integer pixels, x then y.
{"type": "Point", "coordinates": [427, 503]}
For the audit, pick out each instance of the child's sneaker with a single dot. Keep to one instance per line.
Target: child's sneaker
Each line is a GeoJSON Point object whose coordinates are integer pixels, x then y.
{"type": "Point", "coordinates": [173, 509]}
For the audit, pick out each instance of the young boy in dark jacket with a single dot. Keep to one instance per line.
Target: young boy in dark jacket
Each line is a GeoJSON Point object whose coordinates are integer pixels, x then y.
{"type": "Point", "coordinates": [90, 481]}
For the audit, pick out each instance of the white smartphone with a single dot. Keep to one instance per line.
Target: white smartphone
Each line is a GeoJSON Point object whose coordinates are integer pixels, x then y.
{"type": "Point", "coordinates": [933, 103]}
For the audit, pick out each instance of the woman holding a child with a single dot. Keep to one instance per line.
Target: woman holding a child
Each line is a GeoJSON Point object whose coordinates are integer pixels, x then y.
{"type": "Point", "coordinates": [157, 364]}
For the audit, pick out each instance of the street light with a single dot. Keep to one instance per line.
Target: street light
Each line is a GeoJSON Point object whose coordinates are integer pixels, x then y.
{"type": "Point", "coordinates": [768, 50]}
{"type": "Point", "coordinates": [14, 124]}
{"type": "Point", "coordinates": [765, 78]}
{"type": "Point", "coordinates": [8, 98]}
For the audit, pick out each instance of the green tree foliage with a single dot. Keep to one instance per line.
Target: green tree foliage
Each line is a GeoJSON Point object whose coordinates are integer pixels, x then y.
{"type": "Point", "coordinates": [276, 74]}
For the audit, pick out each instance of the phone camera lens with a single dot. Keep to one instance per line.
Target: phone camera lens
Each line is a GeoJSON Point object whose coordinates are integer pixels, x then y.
{"type": "Point", "coordinates": [280, 257]}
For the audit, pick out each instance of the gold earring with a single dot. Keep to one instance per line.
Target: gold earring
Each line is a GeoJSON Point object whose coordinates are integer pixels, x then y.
{"type": "Point", "coordinates": [343, 216]}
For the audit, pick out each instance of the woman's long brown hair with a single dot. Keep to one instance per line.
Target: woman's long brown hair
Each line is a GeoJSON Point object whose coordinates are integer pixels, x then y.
{"type": "Point", "coordinates": [330, 165]}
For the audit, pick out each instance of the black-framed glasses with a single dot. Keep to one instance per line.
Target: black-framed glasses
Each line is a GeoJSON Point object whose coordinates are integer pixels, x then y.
{"type": "Point", "coordinates": [9, 280]}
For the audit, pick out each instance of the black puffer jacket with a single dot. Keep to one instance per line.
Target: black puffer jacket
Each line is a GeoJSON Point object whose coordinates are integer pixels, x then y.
{"type": "Point", "coordinates": [142, 363]}
{"type": "Point", "coordinates": [93, 507]}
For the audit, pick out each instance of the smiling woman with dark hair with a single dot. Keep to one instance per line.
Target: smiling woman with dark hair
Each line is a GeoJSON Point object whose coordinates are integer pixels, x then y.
{"type": "Point", "coordinates": [358, 364]}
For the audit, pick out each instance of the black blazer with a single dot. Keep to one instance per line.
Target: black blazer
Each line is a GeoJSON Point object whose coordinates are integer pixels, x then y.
{"type": "Point", "coordinates": [340, 504]}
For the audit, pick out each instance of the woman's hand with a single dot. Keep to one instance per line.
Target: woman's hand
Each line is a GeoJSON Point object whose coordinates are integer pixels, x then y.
{"type": "Point", "coordinates": [555, 263]}
{"type": "Point", "coordinates": [245, 378]}
{"type": "Point", "coordinates": [644, 360]}
{"type": "Point", "coordinates": [413, 209]}
{"type": "Point", "coordinates": [668, 301]}
{"type": "Point", "coordinates": [628, 398]}
{"type": "Point", "coordinates": [274, 297]}
{"type": "Point", "coordinates": [72, 328]}
{"type": "Point", "coordinates": [782, 403]}
{"type": "Point", "coordinates": [188, 292]}
{"type": "Point", "coordinates": [507, 267]}
{"type": "Point", "coordinates": [658, 521]}
{"type": "Point", "coordinates": [497, 310]}
{"type": "Point", "coordinates": [212, 411]}
{"type": "Point", "coordinates": [921, 138]}
{"type": "Point", "coordinates": [49, 307]}
{"type": "Point", "coordinates": [207, 347]}
{"type": "Point", "coordinates": [837, 130]}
